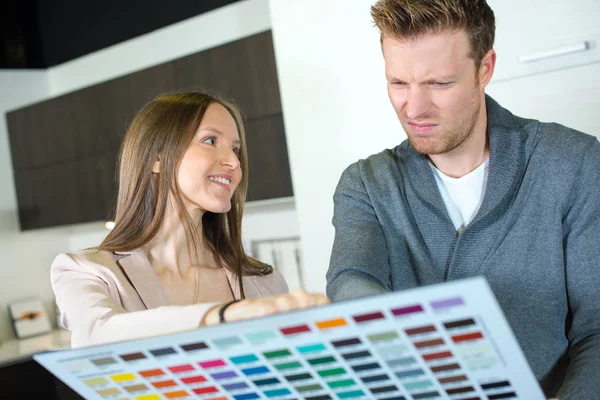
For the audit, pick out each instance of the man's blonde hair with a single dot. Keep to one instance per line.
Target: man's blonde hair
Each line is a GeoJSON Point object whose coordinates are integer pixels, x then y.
{"type": "Point", "coordinates": [410, 19]}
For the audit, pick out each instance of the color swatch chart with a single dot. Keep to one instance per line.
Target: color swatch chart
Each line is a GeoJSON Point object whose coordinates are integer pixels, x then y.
{"type": "Point", "coordinates": [444, 341]}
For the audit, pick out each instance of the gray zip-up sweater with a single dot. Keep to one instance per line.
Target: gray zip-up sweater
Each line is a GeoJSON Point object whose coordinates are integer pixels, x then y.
{"type": "Point", "coordinates": [536, 238]}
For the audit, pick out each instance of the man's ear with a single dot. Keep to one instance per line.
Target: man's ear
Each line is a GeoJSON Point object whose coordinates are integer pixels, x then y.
{"type": "Point", "coordinates": [156, 166]}
{"type": "Point", "coordinates": [486, 70]}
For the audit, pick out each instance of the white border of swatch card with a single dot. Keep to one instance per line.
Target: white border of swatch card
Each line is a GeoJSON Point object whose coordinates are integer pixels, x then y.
{"type": "Point", "coordinates": [442, 341]}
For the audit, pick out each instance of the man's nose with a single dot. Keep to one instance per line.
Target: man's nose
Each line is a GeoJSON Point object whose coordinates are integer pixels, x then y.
{"type": "Point", "coordinates": [417, 102]}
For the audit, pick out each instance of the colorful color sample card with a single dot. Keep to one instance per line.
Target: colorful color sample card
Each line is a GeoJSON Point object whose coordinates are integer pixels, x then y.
{"type": "Point", "coordinates": [445, 341]}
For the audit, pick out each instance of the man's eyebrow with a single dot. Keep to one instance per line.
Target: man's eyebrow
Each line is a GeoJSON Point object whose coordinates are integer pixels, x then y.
{"type": "Point", "coordinates": [392, 78]}
{"type": "Point", "coordinates": [448, 78]}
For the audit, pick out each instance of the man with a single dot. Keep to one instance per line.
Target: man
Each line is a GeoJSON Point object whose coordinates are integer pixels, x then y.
{"type": "Point", "coordinates": [476, 190]}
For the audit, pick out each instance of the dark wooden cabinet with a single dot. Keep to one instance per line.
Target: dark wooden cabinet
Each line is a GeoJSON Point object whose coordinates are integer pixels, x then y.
{"type": "Point", "coordinates": [244, 71]}
{"type": "Point", "coordinates": [64, 149]}
{"type": "Point", "coordinates": [67, 193]}
{"type": "Point", "coordinates": [43, 134]}
{"type": "Point", "coordinates": [269, 169]}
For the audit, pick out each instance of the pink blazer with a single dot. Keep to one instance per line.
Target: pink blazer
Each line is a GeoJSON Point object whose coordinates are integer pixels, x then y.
{"type": "Point", "coordinates": [106, 297]}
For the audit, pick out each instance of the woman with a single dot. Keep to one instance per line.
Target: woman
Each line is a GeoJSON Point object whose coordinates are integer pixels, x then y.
{"type": "Point", "coordinates": [174, 260]}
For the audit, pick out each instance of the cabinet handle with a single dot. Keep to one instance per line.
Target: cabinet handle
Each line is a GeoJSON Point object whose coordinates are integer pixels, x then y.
{"type": "Point", "coordinates": [556, 52]}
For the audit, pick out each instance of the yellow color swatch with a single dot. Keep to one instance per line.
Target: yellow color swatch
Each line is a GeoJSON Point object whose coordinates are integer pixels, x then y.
{"type": "Point", "coordinates": [123, 377]}
{"type": "Point", "coordinates": [148, 397]}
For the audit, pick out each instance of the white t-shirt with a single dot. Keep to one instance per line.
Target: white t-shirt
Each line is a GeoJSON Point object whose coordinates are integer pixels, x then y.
{"type": "Point", "coordinates": [463, 195]}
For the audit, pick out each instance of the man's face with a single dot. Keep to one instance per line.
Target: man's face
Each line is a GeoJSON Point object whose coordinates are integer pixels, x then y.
{"type": "Point", "coordinates": [435, 89]}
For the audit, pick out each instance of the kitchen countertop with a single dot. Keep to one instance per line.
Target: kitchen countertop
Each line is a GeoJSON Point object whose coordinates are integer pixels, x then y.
{"type": "Point", "coordinates": [19, 350]}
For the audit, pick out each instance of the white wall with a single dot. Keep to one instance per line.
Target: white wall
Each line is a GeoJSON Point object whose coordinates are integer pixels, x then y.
{"type": "Point", "coordinates": [23, 273]}
{"type": "Point", "coordinates": [335, 108]}
{"type": "Point", "coordinates": [26, 256]}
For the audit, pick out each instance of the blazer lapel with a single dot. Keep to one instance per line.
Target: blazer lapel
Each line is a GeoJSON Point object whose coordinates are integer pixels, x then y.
{"type": "Point", "coordinates": [141, 275]}
{"type": "Point", "coordinates": [139, 272]}
{"type": "Point", "coordinates": [252, 288]}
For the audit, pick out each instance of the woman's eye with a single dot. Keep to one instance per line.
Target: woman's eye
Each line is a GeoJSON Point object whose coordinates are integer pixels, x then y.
{"type": "Point", "coordinates": [210, 140]}
{"type": "Point", "coordinates": [237, 151]}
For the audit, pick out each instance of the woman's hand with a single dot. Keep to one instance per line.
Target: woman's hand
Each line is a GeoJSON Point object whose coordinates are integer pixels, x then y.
{"type": "Point", "coordinates": [262, 306]}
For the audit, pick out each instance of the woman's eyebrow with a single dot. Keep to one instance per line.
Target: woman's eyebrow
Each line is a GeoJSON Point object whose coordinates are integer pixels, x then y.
{"type": "Point", "coordinates": [218, 132]}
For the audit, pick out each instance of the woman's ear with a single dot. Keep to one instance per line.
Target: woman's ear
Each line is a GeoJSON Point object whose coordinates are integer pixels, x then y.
{"type": "Point", "coordinates": [156, 165]}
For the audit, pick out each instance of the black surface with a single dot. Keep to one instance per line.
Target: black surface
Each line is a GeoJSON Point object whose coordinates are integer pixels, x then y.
{"type": "Point", "coordinates": [20, 40]}
{"type": "Point", "coordinates": [29, 380]}
{"type": "Point", "coordinates": [45, 33]}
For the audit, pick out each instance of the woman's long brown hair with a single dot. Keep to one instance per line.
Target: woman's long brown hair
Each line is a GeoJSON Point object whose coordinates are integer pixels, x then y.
{"type": "Point", "coordinates": [165, 127]}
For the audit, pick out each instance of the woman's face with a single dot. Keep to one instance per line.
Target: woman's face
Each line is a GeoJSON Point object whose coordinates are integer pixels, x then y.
{"type": "Point", "coordinates": [210, 169]}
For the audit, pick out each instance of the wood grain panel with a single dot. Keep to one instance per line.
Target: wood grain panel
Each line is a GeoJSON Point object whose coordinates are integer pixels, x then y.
{"type": "Point", "coordinates": [67, 193]}
{"type": "Point", "coordinates": [268, 164]}
{"type": "Point", "coordinates": [243, 71]}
